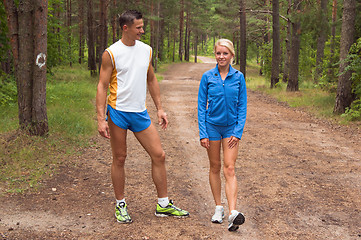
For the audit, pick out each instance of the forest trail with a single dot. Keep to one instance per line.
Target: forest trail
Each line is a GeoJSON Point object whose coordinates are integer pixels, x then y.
{"type": "Point", "coordinates": [299, 178]}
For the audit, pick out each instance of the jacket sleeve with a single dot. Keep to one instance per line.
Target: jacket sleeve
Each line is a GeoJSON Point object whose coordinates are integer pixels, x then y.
{"type": "Point", "coordinates": [241, 109]}
{"type": "Point", "coordinates": [202, 107]}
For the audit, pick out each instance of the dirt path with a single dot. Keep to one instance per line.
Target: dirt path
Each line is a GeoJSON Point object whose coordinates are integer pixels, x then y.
{"type": "Point", "coordinates": [299, 178]}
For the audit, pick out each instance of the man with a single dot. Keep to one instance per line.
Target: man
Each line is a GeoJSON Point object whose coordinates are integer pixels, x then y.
{"type": "Point", "coordinates": [126, 69]}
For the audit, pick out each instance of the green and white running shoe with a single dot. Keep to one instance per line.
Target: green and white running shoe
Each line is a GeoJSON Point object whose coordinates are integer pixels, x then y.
{"type": "Point", "coordinates": [121, 213]}
{"type": "Point", "coordinates": [170, 210]}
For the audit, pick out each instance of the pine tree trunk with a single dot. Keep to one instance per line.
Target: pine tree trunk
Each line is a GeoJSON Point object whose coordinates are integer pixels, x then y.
{"type": "Point", "coordinates": [322, 37]}
{"type": "Point", "coordinates": [181, 20]}
{"type": "Point", "coordinates": [295, 51]}
{"type": "Point", "coordinates": [286, 69]}
{"type": "Point", "coordinates": [243, 34]}
{"type": "Point", "coordinates": [81, 30]}
{"type": "Point", "coordinates": [92, 66]}
{"type": "Point", "coordinates": [344, 91]}
{"type": "Point", "coordinates": [68, 24]}
{"type": "Point", "coordinates": [28, 35]}
{"type": "Point", "coordinates": [39, 112]}
{"type": "Point", "coordinates": [276, 44]}
{"type": "Point", "coordinates": [103, 27]}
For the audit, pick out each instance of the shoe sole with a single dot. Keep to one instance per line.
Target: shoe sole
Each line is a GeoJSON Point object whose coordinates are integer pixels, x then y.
{"type": "Point", "coordinates": [217, 221]}
{"type": "Point", "coordinates": [123, 222]}
{"type": "Point", "coordinates": [239, 220]}
{"type": "Point", "coordinates": [169, 215]}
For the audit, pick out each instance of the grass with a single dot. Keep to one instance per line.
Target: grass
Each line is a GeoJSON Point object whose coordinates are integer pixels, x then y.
{"type": "Point", "coordinates": [26, 160]}
{"type": "Point", "coordinates": [314, 100]}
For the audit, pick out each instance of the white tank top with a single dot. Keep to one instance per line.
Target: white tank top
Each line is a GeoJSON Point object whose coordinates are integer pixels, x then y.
{"type": "Point", "coordinates": [128, 83]}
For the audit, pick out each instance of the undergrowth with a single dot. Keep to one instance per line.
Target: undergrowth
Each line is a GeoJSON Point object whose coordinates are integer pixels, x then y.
{"type": "Point", "coordinates": [26, 160]}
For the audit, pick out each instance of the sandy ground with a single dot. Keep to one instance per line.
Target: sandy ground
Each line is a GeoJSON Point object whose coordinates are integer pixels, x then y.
{"type": "Point", "coordinates": [299, 178]}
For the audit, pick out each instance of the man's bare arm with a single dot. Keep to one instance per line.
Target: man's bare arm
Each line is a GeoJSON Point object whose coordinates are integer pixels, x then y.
{"type": "Point", "coordinates": [154, 91]}
{"type": "Point", "coordinates": [101, 97]}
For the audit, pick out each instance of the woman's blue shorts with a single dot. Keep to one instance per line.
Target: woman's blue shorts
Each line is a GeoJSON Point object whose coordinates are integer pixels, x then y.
{"type": "Point", "coordinates": [216, 133]}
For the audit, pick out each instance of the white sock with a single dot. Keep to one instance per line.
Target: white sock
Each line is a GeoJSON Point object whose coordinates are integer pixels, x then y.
{"type": "Point", "coordinates": [163, 202]}
{"type": "Point", "coordinates": [120, 201]}
{"type": "Point", "coordinates": [219, 207]}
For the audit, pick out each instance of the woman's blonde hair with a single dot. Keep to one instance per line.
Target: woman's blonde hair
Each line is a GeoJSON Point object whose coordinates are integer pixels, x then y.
{"type": "Point", "coordinates": [225, 43]}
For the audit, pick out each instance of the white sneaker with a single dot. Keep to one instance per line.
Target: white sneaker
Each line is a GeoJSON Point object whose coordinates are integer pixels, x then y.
{"type": "Point", "coordinates": [234, 220]}
{"type": "Point", "coordinates": [218, 215]}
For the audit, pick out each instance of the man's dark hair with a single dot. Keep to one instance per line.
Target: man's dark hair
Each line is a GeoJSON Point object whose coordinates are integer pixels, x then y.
{"type": "Point", "coordinates": [127, 18]}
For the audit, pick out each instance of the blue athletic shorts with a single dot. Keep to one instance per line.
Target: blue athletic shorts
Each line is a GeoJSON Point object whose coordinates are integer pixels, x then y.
{"type": "Point", "coordinates": [216, 133]}
{"type": "Point", "coordinates": [134, 121]}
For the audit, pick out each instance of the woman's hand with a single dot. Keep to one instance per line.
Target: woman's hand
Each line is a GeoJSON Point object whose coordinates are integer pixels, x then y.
{"type": "Point", "coordinates": [233, 142]}
{"type": "Point", "coordinates": [205, 143]}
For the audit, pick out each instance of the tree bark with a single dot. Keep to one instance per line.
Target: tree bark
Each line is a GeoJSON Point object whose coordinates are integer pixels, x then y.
{"type": "Point", "coordinates": [286, 68]}
{"type": "Point", "coordinates": [92, 66]}
{"type": "Point", "coordinates": [344, 91]}
{"type": "Point", "coordinates": [81, 30]}
{"type": "Point", "coordinates": [295, 51]}
{"type": "Point", "coordinates": [321, 40]}
{"type": "Point", "coordinates": [276, 44]}
{"type": "Point", "coordinates": [68, 25]}
{"type": "Point", "coordinates": [243, 34]}
{"type": "Point", "coordinates": [103, 27]}
{"type": "Point", "coordinates": [39, 111]}
{"type": "Point", "coordinates": [28, 35]}
{"type": "Point", "coordinates": [181, 20]}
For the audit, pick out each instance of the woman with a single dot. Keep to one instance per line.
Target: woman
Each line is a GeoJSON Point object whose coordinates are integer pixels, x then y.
{"type": "Point", "coordinates": [222, 108]}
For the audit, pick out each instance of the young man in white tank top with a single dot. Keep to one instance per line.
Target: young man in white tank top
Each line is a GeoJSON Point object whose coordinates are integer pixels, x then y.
{"type": "Point", "coordinates": [127, 71]}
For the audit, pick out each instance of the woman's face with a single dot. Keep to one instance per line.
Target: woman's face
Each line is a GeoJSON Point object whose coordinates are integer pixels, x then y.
{"type": "Point", "coordinates": [223, 56]}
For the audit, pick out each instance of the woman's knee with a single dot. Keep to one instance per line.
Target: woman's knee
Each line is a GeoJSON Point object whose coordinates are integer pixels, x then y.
{"type": "Point", "coordinates": [229, 171]}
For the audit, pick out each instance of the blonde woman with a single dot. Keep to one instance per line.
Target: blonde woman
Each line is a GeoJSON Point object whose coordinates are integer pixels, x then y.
{"type": "Point", "coordinates": [222, 109]}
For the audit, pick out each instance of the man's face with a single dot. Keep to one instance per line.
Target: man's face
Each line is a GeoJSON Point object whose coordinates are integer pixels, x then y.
{"type": "Point", "coordinates": [134, 31]}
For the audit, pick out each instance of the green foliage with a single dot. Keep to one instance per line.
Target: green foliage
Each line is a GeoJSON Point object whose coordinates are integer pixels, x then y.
{"type": "Point", "coordinates": [4, 42]}
{"type": "Point", "coordinates": [330, 66]}
{"type": "Point", "coordinates": [25, 160]}
{"type": "Point", "coordinates": [354, 61]}
{"type": "Point", "coordinates": [266, 56]}
{"type": "Point", "coordinates": [8, 91]}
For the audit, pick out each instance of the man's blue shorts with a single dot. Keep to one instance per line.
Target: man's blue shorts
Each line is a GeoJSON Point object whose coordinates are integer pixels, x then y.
{"type": "Point", "coordinates": [216, 133]}
{"type": "Point", "coordinates": [134, 121]}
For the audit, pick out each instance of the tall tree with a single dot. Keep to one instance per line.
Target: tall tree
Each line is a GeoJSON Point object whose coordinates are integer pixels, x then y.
{"type": "Point", "coordinates": [103, 27]}
{"type": "Point", "coordinates": [344, 92]}
{"type": "Point", "coordinates": [276, 50]}
{"type": "Point", "coordinates": [27, 24]}
{"type": "Point", "coordinates": [322, 37]}
{"type": "Point", "coordinates": [68, 7]}
{"type": "Point", "coordinates": [81, 30]}
{"type": "Point", "coordinates": [295, 49]}
{"type": "Point", "coordinates": [181, 21]}
{"type": "Point", "coordinates": [92, 66]}
{"type": "Point", "coordinates": [243, 36]}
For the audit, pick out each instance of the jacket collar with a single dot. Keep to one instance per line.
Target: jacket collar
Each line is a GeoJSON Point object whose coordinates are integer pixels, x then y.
{"type": "Point", "coordinates": [230, 73]}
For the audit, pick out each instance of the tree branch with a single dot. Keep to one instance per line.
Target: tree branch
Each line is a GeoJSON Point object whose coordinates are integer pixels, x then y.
{"type": "Point", "coordinates": [265, 11]}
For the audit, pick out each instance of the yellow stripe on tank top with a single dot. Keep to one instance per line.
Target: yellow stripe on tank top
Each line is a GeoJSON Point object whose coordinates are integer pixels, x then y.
{"type": "Point", "coordinates": [113, 86]}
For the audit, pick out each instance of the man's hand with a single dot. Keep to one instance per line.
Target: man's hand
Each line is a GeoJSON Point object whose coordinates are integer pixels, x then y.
{"type": "Point", "coordinates": [103, 129]}
{"type": "Point", "coordinates": [162, 119]}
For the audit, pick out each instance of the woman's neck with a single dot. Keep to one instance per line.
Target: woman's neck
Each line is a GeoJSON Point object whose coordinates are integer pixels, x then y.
{"type": "Point", "coordinates": [223, 71]}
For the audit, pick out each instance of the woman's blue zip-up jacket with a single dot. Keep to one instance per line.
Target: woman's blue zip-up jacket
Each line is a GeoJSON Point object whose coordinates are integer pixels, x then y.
{"type": "Point", "coordinates": [227, 101]}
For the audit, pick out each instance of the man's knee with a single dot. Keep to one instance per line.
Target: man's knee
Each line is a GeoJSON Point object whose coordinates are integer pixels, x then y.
{"type": "Point", "coordinates": [159, 158]}
{"type": "Point", "coordinates": [119, 159]}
